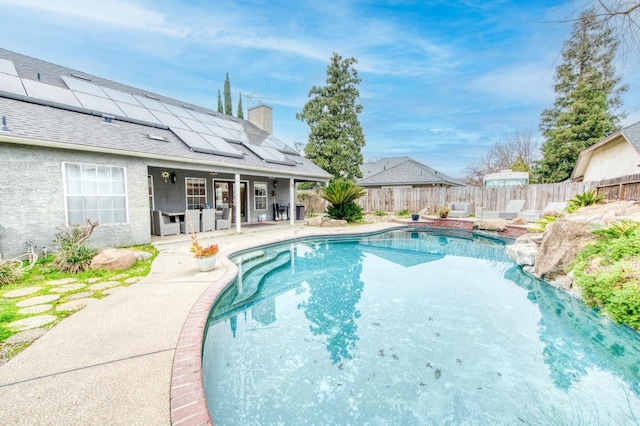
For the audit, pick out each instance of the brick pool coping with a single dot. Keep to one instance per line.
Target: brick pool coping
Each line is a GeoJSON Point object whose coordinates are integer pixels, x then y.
{"type": "Point", "coordinates": [188, 403]}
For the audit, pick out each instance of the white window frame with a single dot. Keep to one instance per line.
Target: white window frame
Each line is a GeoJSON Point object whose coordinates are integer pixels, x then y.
{"type": "Point", "coordinates": [91, 195]}
{"type": "Point", "coordinates": [261, 197]}
{"type": "Point", "coordinates": [191, 199]}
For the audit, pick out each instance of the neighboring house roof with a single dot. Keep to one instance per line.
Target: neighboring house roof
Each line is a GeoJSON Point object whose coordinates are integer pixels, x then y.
{"type": "Point", "coordinates": [50, 105]}
{"type": "Point", "coordinates": [630, 133]}
{"type": "Point", "coordinates": [402, 171]}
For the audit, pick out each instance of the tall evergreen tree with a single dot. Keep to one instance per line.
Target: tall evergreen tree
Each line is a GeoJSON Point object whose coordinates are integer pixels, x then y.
{"type": "Point", "coordinates": [587, 93]}
{"type": "Point", "coordinates": [220, 108]}
{"type": "Point", "coordinates": [228, 108]}
{"type": "Point", "coordinates": [240, 110]}
{"type": "Point", "coordinates": [336, 137]}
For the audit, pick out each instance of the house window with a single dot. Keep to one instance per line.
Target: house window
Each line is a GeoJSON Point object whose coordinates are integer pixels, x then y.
{"type": "Point", "coordinates": [97, 193]}
{"type": "Point", "coordinates": [196, 192]}
{"type": "Point", "coordinates": [260, 195]}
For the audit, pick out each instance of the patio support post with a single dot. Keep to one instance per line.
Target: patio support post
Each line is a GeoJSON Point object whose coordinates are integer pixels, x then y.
{"type": "Point", "coordinates": [292, 202]}
{"type": "Point", "coordinates": [236, 201]}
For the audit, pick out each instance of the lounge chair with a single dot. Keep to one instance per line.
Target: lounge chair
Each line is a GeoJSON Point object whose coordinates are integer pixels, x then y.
{"type": "Point", "coordinates": [208, 220]}
{"type": "Point", "coordinates": [192, 216]}
{"type": "Point", "coordinates": [533, 215]}
{"type": "Point", "coordinates": [510, 212]}
{"type": "Point", "coordinates": [162, 225]}
{"type": "Point", "coordinates": [225, 221]}
{"type": "Point", "coordinates": [459, 209]}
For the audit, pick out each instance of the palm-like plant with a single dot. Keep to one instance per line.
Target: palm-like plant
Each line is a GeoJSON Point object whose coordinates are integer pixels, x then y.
{"type": "Point", "coordinates": [342, 193]}
{"type": "Point", "coordinates": [582, 200]}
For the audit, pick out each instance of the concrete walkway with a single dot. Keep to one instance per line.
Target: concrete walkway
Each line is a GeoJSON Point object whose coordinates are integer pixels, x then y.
{"type": "Point", "coordinates": [110, 364]}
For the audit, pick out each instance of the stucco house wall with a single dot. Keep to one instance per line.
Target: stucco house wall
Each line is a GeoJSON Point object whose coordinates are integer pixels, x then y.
{"type": "Point", "coordinates": [614, 159]}
{"type": "Point", "coordinates": [35, 200]}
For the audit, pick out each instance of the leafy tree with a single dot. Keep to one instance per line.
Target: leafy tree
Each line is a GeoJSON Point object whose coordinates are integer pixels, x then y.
{"type": "Point", "coordinates": [518, 152]}
{"type": "Point", "coordinates": [228, 108]}
{"type": "Point", "coordinates": [336, 137]}
{"type": "Point", "coordinates": [240, 109]}
{"type": "Point", "coordinates": [586, 95]}
{"type": "Point", "coordinates": [220, 108]}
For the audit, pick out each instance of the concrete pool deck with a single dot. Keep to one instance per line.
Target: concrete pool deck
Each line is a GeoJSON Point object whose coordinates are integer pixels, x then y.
{"type": "Point", "coordinates": [112, 363]}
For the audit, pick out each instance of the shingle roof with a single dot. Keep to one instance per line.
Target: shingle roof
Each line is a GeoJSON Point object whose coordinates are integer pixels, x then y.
{"type": "Point", "coordinates": [33, 120]}
{"type": "Point", "coordinates": [402, 171]}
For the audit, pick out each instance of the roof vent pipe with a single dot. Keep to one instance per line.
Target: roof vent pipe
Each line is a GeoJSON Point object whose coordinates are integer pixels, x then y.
{"type": "Point", "coordinates": [4, 127]}
{"type": "Point", "coordinates": [38, 76]}
{"type": "Point", "coordinates": [108, 118]}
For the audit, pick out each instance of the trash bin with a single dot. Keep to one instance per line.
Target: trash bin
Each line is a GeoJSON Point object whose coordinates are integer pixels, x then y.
{"type": "Point", "coordinates": [299, 212]}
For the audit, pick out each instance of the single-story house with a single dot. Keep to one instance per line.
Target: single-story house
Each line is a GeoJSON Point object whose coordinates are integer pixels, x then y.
{"type": "Point", "coordinates": [615, 156]}
{"type": "Point", "coordinates": [403, 172]}
{"type": "Point", "coordinates": [76, 146]}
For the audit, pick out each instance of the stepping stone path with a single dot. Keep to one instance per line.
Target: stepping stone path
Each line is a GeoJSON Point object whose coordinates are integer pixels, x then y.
{"type": "Point", "coordinates": [63, 281]}
{"type": "Point", "coordinates": [21, 292]}
{"type": "Point", "coordinates": [32, 322]}
{"type": "Point", "coordinates": [104, 285]}
{"type": "Point", "coordinates": [67, 288]}
{"type": "Point", "coordinates": [26, 336]}
{"type": "Point", "coordinates": [81, 295]}
{"type": "Point", "coordinates": [75, 305]}
{"type": "Point", "coordinates": [34, 310]}
{"type": "Point", "coordinates": [38, 300]}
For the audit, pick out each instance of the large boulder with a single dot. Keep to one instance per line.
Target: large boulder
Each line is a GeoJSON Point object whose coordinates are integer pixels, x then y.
{"type": "Point", "coordinates": [113, 259]}
{"type": "Point", "coordinates": [524, 250]}
{"type": "Point", "coordinates": [333, 223]}
{"type": "Point", "coordinates": [562, 241]}
{"type": "Point", "coordinates": [497, 225]}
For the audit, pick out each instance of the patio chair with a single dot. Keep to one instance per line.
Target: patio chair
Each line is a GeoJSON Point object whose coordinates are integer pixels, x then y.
{"type": "Point", "coordinates": [194, 217]}
{"type": "Point", "coordinates": [510, 212]}
{"type": "Point", "coordinates": [459, 209]}
{"type": "Point", "coordinates": [533, 215]}
{"type": "Point", "coordinates": [225, 221]}
{"type": "Point", "coordinates": [162, 225]}
{"type": "Point", "coordinates": [208, 220]}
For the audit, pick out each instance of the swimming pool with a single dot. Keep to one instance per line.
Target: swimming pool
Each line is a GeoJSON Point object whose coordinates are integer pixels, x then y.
{"type": "Point", "coordinates": [409, 327]}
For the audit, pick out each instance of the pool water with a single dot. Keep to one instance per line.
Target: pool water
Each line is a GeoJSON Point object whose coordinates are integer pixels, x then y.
{"type": "Point", "coordinates": [410, 328]}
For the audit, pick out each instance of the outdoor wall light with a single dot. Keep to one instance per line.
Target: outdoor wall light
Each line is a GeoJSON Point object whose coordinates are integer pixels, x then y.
{"type": "Point", "coordinates": [275, 183]}
{"type": "Point", "coordinates": [174, 178]}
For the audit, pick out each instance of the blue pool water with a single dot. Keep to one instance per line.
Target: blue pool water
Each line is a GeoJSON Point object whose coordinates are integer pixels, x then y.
{"type": "Point", "coordinates": [410, 328]}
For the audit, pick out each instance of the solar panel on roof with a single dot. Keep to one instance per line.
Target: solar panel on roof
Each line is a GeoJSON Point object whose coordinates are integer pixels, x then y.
{"type": "Point", "coordinates": [175, 110]}
{"type": "Point", "coordinates": [273, 142]}
{"type": "Point", "coordinates": [7, 67]}
{"type": "Point", "coordinates": [11, 84]}
{"type": "Point", "coordinates": [203, 143]}
{"type": "Point", "coordinates": [96, 103]}
{"type": "Point", "coordinates": [196, 126]}
{"type": "Point", "coordinates": [117, 95]}
{"type": "Point", "coordinates": [83, 86]}
{"type": "Point", "coordinates": [151, 103]}
{"type": "Point", "coordinates": [50, 93]}
{"type": "Point", "coordinates": [203, 118]}
{"type": "Point", "coordinates": [169, 120]}
{"type": "Point", "coordinates": [270, 155]}
{"type": "Point", "coordinates": [138, 113]}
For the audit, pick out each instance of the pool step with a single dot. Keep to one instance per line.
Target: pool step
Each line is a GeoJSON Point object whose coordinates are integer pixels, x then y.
{"type": "Point", "coordinates": [252, 277]}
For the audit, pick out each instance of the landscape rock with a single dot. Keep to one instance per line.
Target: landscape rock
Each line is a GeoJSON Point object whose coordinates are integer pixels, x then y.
{"type": "Point", "coordinates": [316, 221]}
{"type": "Point", "coordinates": [112, 259]}
{"type": "Point", "coordinates": [562, 241]}
{"type": "Point", "coordinates": [518, 221]}
{"type": "Point", "coordinates": [523, 253]}
{"type": "Point", "coordinates": [333, 223]}
{"type": "Point", "coordinates": [496, 225]}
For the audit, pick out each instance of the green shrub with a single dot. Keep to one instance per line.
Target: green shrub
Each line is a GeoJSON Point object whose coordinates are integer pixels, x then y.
{"type": "Point", "coordinates": [74, 255]}
{"type": "Point", "coordinates": [582, 200]}
{"type": "Point", "coordinates": [342, 193]}
{"type": "Point", "coordinates": [404, 213]}
{"type": "Point", "coordinates": [443, 212]}
{"type": "Point", "coordinates": [541, 224]}
{"type": "Point", "coordinates": [10, 272]}
{"type": "Point", "coordinates": [379, 213]}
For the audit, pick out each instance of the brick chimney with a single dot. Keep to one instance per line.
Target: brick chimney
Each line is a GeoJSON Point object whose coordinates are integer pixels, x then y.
{"type": "Point", "coordinates": [262, 116]}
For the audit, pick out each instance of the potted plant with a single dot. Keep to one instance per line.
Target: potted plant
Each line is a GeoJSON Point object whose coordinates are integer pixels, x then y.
{"type": "Point", "coordinates": [443, 212]}
{"type": "Point", "coordinates": [415, 216]}
{"type": "Point", "coordinates": [206, 255]}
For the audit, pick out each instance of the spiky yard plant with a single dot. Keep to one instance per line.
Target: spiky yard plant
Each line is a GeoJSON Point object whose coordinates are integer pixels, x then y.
{"type": "Point", "coordinates": [342, 193]}
{"type": "Point", "coordinates": [582, 200]}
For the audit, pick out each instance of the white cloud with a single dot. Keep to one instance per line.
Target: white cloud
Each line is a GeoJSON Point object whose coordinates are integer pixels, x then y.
{"type": "Point", "coordinates": [117, 13]}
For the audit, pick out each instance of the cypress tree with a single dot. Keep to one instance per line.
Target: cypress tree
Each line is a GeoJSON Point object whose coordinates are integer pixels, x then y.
{"type": "Point", "coordinates": [228, 108]}
{"type": "Point", "coordinates": [220, 109]}
{"type": "Point", "coordinates": [240, 110]}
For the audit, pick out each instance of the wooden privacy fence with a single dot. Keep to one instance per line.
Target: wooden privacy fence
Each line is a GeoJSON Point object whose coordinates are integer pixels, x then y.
{"type": "Point", "coordinates": [489, 198]}
{"type": "Point", "coordinates": [622, 188]}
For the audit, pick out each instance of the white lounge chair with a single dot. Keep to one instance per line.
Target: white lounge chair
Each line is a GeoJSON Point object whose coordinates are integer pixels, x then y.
{"type": "Point", "coordinates": [208, 220]}
{"type": "Point", "coordinates": [459, 209]}
{"type": "Point", "coordinates": [194, 217]}
{"type": "Point", "coordinates": [510, 212]}
{"type": "Point", "coordinates": [551, 208]}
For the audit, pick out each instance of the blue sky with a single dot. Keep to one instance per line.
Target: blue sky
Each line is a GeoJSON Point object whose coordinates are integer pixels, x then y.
{"type": "Point", "coordinates": [442, 81]}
